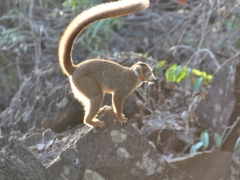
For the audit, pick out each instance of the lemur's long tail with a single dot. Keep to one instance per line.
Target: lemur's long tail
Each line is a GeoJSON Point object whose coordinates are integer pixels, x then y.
{"type": "Point", "coordinates": [81, 21]}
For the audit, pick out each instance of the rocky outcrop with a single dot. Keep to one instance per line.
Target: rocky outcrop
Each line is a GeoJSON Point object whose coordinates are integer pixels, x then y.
{"type": "Point", "coordinates": [205, 165]}
{"type": "Point", "coordinates": [17, 162]}
{"type": "Point", "coordinates": [214, 112]}
{"type": "Point", "coordinates": [44, 99]}
{"type": "Point", "coordinates": [122, 153]}
{"type": "Point", "coordinates": [116, 153]}
{"type": "Point", "coordinates": [221, 108]}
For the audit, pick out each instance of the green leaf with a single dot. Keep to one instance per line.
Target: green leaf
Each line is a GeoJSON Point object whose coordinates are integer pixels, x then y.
{"type": "Point", "coordinates": [73, 4]}
{"type": "Point", "coordinates": [189, 70]}
{"type": "Point", "coordinates": [204, 74]}
{"type": "Point", "coordinates": [160, 66]}
{"type": "Point", "coordinates": [161, 63]}
{"type": "Point", "coordinates": [182, 74]}
{"type": "Point", "coordinates": [178, 71]}
{"type": "Point", "coordinates": [197, 72]}
{"type": "Point", "coordinates": [171, 73]}
{"type": "Point", "coordinates": [193, 150]}
{"type": "Point", "coordinates": [205, 139]}
{"type": "Point", "coordinates": [198, 144]}
{"type": "Point", "coordinates": [197, 84]}
{"type": "Point", "coordinates": [195, 147]}
{"type": "Point", "coordinates": [218, 139]}
{"type": "Point", "coordinates": [209, 77]}
{"type": "Point", "coordinates": [237, 144]}
{"type": "Point", "coordinates": [144, 56]}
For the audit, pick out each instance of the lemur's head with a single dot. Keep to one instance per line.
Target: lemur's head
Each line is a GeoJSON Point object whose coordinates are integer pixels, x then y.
{"type": "Point", "coordinates": [143, 71]}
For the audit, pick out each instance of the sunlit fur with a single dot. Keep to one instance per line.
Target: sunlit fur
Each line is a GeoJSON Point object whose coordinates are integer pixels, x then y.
{"type": "Point", "coordinates": [91, 79]}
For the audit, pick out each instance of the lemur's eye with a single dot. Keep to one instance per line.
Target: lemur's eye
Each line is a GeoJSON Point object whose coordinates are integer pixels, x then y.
{"type": "Point", "coordinates": [148, 74]}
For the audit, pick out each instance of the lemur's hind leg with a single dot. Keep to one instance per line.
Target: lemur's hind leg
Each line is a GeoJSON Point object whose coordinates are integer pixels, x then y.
{"type": "Point", "coordinates": [92, 98]}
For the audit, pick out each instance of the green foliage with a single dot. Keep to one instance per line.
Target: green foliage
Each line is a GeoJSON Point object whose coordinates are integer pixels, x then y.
{"type": "Point", "coordinates": [195, 147]}
{"type": "Point", "coordinates": [144, 56]}
{"type": "Point", "coordinates": [160, 66]}
{"type": "Point", "coordinates": [205, 139]}
{"type": "Point", "coordinates": [171, 74]}
{"type": "Point", "coordinates": [204, 142]}
{"type": "Point", "coordinates": [197, 84]}
{"type": "Point", "coordinates": [177, 73]}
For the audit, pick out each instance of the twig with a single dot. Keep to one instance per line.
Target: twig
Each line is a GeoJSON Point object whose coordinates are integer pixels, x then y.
{"type": "Point", "coordinates": [228, 130]}
{"type": "Point", "coordinates": [210, 54]}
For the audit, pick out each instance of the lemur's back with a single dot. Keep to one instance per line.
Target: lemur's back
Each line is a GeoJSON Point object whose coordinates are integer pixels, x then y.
{"type": "Point", "coordinates": [103, 72]}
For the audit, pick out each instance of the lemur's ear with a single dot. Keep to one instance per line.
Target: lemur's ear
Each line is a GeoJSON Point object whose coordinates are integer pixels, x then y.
{"type": "Point", "coordinates": [137, 69]}
{"type": "Point", "coordinates": [141, 64]}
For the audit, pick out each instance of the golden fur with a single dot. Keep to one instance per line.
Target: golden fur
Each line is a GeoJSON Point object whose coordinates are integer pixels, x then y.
{"type": "Point", "coordinates": [91, 79]}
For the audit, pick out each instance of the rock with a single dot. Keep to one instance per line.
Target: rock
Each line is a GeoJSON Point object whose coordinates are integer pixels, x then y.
{"type": "Point", "coordinates": [214, 113]}
{"type": "Point", "coordinates": [117, 152]}
{"type": "Point", "coordinates": [5, 98]}
{"type": "Point", "coordinates": [66, 165]}
{"type": "Point", "coordinates": [164, 137]}
{"type": "Point", "coordinates": [17, 162]}
{"type": "Point", "coordinates": [44, 99]}
{"type": "Point", "coordinates": [207, 165]}
{"type": "Point", "coordinates": [234, 170]}
{"type": "Point", "coordinates": [120, 152]}
{"type": "Point", "coordinates": [221, 108]}
{"type": "Point", "coordinates": [47, 145]}
{"type": "Point", "coordinates": [55, 151]}
{"type": "Point", "coordinates": [232, 133]}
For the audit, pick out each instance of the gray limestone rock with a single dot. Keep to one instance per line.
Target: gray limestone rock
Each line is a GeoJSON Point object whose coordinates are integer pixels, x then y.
{"type": "Point", "coordinates": [120, 152]}
{"type": "Point", "coordinates": [17, 162]}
